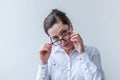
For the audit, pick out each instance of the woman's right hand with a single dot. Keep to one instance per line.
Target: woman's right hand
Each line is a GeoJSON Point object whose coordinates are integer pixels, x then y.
{"type": "Point", "coordinates": [45, 52]}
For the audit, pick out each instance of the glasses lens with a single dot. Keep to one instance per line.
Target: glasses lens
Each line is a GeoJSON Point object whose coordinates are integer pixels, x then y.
{"type": "Point", "coordinates": [58, 42]}
{"type": "Point", "coordinates": [55, 41]}
{"type": "Point", "coordinates": [66, 37]}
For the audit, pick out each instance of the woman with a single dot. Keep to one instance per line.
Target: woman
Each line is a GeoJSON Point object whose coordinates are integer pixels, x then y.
{"type": "Point", "coordinates": [66, 57]}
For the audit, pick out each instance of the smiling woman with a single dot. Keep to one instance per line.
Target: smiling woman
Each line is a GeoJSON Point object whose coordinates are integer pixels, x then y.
{"type": "Point", "coordinates": [61, 35]}
{"type": "Point", "coordinates": [21, 34]}
{"type": "Point", "coordinates": [66, 57]}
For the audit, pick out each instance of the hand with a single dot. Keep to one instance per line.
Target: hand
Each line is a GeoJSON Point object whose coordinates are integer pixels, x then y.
{"type": "Point", "coordinates": [77, 42]}
{"type": "Point", "coordinates": [44, 52]}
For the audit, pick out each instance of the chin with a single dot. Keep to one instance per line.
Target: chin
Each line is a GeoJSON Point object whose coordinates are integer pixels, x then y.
{"type": "Point", "coordinates": [67, 46]}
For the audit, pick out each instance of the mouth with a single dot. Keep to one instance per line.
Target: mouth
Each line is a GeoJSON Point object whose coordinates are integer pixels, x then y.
{"type": "Point", "coordinates": [66, 45]}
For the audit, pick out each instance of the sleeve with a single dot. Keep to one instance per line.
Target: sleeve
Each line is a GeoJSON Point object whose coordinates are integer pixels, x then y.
{"type": "Point", "coordinates": [91, 68]}
{"type": "Point", "coordinates": [43, 73]}
{"type": "Point", "coordinates": [96, 59]}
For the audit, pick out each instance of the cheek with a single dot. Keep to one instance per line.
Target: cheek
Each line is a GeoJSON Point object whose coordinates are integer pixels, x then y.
{"type": "Point", "coordinates": [69, 41]}
{"type": "Point", "coordinates": [61, 45]}
{"type": "Point", "coordinates": [66, 42]}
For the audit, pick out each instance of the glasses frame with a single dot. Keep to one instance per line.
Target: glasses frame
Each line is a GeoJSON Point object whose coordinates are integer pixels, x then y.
{"type": "Point", "coordinates": [60, 39]}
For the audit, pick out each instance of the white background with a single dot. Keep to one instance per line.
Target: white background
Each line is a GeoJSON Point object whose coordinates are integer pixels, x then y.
{"type": "Point", "coordinates": [22, 34]}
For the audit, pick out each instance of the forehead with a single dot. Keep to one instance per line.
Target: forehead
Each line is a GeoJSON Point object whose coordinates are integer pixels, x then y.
{"type": "Point", "coordinates": [56, 28]}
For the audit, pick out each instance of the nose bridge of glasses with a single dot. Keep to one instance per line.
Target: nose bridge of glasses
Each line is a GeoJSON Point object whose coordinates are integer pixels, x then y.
{"type": "Point", "coordinates": [61, 37]}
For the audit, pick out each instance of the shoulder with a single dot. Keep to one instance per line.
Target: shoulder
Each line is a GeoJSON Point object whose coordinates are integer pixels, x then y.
{"type": "Point", "coordinates": [91, 50]}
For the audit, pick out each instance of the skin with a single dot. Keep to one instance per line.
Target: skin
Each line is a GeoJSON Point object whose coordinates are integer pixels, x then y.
{"type": "Point", "coordinates": [75, 42]}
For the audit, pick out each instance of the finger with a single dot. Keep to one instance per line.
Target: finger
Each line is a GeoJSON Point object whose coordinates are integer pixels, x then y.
{"type": "Point", "coordinates": [80, 36]}
{"type": "Point", "coordinates": [46, 47]}
{"type": "Point", "coordinates": [77, 36]}
{"type": "Point", "coordinates": [74, 40]}
{"type": "Point", "coordinates": [49, 47]}
{"type": "Point", "coordinates": [73, 35]}
{"type": "Point", "coordinates": [45, 50]}
{"type": "Point", "coordinates": [48, 43]}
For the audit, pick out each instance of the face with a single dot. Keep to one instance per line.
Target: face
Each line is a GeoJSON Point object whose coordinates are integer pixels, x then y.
{"type": "Point", "coordinates": [61, 33]}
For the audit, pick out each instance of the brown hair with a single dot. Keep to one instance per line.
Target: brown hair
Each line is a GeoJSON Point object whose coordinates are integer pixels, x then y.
{"type": "Point", "coordinates": [54, 17]}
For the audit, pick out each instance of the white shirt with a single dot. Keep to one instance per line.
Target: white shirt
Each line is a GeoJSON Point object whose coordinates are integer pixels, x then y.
{"type": "Point", "coordinates": [76, 66]}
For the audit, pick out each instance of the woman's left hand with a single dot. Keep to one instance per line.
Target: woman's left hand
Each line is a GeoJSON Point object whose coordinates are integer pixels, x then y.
{"type": "Point", "coordinates": [78, 42]}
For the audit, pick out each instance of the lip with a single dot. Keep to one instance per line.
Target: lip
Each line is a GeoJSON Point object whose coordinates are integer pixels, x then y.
{"type": "Point", "coordinates": [66, 45]}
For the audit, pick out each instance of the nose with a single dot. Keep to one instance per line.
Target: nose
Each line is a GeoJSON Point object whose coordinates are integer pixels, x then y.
{"type": "Point", "coordinates": [60, 37]}
{"type": "Point", "coordinates": [63, 42]}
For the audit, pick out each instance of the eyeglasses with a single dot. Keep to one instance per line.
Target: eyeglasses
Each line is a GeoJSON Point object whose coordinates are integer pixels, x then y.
{"type": "Point", "coordinates": [57, 42]}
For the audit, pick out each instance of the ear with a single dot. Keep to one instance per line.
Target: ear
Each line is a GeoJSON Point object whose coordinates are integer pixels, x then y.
{"type": "Point", "coordinates": [71, 27]}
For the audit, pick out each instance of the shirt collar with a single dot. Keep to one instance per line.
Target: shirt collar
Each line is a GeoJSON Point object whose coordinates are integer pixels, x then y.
{"type": "Point", "coordinates": [58, 49]}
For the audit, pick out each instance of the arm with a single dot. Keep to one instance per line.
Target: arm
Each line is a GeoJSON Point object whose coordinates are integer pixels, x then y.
{"type": "Point", "coordinates": [96, 59]}
{"type": "Point", "coordinates": [92, 67]}
{"type": "Point", "coordinates": [42, 73]}
{"type": "Point", "coordinates": [44, 54]}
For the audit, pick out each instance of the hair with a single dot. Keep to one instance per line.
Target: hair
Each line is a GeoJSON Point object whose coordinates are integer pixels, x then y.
{"type": "Point", "coordinates": [55, 17]}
